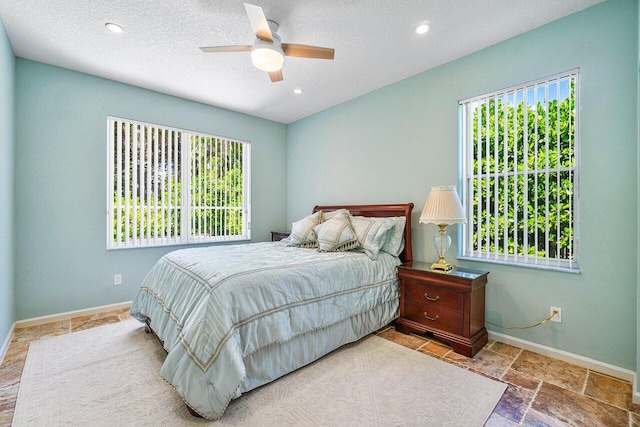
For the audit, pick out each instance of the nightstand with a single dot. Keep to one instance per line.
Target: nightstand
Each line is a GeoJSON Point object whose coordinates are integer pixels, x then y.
{"type": "Point", "coordinates": [276, 236]}
{"type": "Point", "coordinates": [448, 305]}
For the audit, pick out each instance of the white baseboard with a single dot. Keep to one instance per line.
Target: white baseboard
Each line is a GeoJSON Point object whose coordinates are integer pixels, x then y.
{"type": "Point", "coordinates": [635, 397]}
{"type": "Point", "coordinates": [69, 314]}
{"type": "Point", "coordinates": [585, 362]}
{"type": "Point", "coordinates": [5, 344]}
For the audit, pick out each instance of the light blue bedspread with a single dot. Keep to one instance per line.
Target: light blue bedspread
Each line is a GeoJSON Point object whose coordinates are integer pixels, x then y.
{"type": "Point", "coordinates": [215, 307]}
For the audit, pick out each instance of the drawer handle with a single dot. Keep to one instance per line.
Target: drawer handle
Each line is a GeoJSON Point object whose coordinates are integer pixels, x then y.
{"type": "Point", "coordinates": [426, 295]}
{"type": "Point", "coordinates": [436, 317]}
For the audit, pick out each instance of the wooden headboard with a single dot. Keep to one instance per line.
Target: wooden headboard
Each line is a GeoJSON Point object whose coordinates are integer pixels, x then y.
{"type": "Point", "coordinates": [382, 211]}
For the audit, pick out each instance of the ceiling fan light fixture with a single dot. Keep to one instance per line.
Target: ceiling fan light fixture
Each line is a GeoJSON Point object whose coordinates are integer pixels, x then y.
{"type": "Point", "coordinates": [267, 52]}
{"type": "Point", "coordinates": [267, 56]}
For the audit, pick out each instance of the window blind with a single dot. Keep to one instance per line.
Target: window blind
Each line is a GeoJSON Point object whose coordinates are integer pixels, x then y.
{"type": "Point", "coordinates": [520, 173]}
{"type": "Point", "coordinates": [168, 186]}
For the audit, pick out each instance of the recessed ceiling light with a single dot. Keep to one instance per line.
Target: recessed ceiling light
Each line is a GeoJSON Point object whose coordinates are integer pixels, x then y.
{"type": "Point", "coordinates": [297, 91]}
{"type": "Point", "coordinates": [422, 28]}
{"type": "Point", "coordinates": [114, 27]}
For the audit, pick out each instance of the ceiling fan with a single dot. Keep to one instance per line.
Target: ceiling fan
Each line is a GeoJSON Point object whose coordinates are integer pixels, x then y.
{"type": "Point", "coordinates": [267, 52]}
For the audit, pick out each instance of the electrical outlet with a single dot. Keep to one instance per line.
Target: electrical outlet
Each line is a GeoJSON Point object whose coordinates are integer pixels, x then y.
{"type": "Point", "coordinates": [558, 316]}
{"type": "Point", "coordinates": [117, 279]}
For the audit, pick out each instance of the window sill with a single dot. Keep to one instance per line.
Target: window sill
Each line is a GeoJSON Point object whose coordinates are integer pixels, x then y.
{"type": "Point", "coordinates": [574, 270]}
{"type": "Point", "coordinates": [242, 239]}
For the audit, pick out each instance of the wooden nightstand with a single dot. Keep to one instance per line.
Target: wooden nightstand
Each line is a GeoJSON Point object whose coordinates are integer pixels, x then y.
{"type": "Point", "coordinates": [448, 305]}
{"type": "Point", "coordinates": [276, 236]}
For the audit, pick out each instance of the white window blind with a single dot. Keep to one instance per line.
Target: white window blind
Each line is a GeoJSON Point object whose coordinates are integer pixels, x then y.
{"type": "Point", "coordinates": [520, 151]}
{"type": "Point", "coordinates": [168, 186]}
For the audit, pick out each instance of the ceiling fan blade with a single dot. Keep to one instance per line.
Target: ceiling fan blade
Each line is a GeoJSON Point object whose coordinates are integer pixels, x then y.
{"type": "Point", "coordinates": [304, 51]}
{"type": "Point", "coordinates": [259, 22]}
{"type": "Point", "coordinates": [275, 76]}
{"type": "Point", "coordinates": [233, 48]}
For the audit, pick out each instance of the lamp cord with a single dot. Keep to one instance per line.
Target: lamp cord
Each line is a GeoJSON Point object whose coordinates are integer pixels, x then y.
{"type": "Point", "coordinates": [524, 327]}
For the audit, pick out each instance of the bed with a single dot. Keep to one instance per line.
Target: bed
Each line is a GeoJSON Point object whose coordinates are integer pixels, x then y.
{"type": "Point", "coordinates": [233, 318]}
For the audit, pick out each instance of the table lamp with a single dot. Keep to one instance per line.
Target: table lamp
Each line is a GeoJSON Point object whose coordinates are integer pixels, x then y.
{"type": "Point", "coordinates": [442, 208]}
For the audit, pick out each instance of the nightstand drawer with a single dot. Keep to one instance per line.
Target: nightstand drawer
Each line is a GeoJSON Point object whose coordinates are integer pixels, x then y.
{"type": "Point", "coordinates": [433, 316]}
{"type": "Point", "coordinates": [435, 295]}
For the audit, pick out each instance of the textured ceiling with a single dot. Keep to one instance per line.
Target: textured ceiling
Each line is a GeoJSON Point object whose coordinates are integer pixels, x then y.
{"type": "Point", "coordinates": [374, 42]}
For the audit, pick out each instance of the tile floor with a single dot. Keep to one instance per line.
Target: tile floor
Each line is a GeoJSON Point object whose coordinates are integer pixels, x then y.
{"type": "Point", "coordinates": [541, 391]}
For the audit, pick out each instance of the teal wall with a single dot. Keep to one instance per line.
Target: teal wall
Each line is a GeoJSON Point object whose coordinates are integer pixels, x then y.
{"type": "Point", "coordinates": [7, 67]}
{"type": "Point", "coordinates": [393, 144]}
{"type": "Point", "coordinates": [61, 261]}
{"type": "Point", "coordinates": [637, 384]}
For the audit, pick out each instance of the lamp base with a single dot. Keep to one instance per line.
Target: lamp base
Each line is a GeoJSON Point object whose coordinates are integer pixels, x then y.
{"type": "Point", "coordinates": [442, 242]}
{"type": "Point", "coordinates": [441, 266]}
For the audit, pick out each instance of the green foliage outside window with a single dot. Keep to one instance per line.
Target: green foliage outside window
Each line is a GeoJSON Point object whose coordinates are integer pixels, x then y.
{"type": "Point", "coordinates": [216, 187]}
{"type": "Point", "coordinates": [153, 206]}
{"type": "Point", "coordinates": [524, 153]}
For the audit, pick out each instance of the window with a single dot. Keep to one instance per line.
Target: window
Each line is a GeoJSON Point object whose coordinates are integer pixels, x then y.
{"type": "Point", "coordinates": [168, 186]}
{"type": "Point", "coordinates": [520, 174]}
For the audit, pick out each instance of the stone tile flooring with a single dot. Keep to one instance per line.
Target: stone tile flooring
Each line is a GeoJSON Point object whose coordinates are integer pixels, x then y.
{"type": "Point", "coordinates": [541, 391]}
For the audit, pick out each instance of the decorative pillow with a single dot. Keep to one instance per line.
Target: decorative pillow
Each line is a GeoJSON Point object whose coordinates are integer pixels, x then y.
{"type": "Point", "coordinates": [395, 238]}
{"type": "Point", "coordinates": [336, 235]}
{"type": "Point", "coordinates": [326, 216]}
{"type": "Point", "coordinates": [372, 233]}
{"type": "Point", "coordinates": [302, 232]}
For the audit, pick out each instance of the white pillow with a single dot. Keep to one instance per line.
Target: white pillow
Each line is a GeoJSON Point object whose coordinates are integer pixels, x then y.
{"type": "Point", "coordinates": [372, 233]}
{"type": "Point", "coordinates": [395, 238]}
{"type": "Point", "coordinates": [336, 235]}
{"type": "Point", "coordinates": [303, 234]}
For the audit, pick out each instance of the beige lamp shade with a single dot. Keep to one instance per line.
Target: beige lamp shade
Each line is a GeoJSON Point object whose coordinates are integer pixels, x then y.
{"type": "Point", "coordinates": [443, 206]}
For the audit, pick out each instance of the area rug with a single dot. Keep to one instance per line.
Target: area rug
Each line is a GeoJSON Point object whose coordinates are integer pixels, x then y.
{"type": "Point", "coordinates": [110, 376]}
